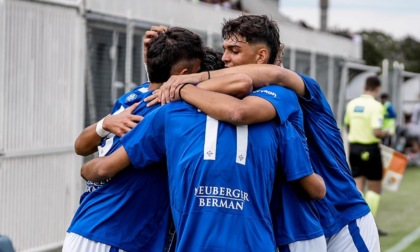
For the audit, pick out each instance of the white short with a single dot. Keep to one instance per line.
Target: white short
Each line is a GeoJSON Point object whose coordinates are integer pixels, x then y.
{"type": "Point", "coordinates": [359, 235]}
{"type": "Point", "coordinates": [318, 244]}
{"type": "Point", "coordinates": [74, 242]}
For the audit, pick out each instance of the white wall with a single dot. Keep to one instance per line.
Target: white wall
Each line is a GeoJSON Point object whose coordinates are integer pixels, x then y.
{"type": "Point", "coordinates": [42, 55]}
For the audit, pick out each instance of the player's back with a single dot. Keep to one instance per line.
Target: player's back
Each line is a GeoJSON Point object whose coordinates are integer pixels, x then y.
{"type": "Point", "coordinates": [221, 179]}
{"type": "Point", "coordinates": [343, 202]}
{"type": "Point", "coordinates": [122, 212]}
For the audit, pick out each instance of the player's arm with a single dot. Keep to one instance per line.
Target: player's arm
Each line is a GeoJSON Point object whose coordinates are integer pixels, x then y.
{"type": "Point", "coordinates": [294, 155]}
{"type": "Point", "coordinates": [237, 85]}
{"type": "Point", "coordinates": [88, 141]}
{"type": "Point", "coordinates": [260, 74]}
{"type": "Point", "coordinates": [99, 169]}
{"type": "Point", "coordinates": [314, 186]}
{"type": "Point", "coordinates": [391, 112]}
{"type": "Point", "coordinates": [379, 133]}
{"type": "Point", "coordinates": [141, 147]}
{"type": "Point", "coordinates": [119, 124]}
{"type": "Point", "coordinates": [376, 123]}
{"type": "Point", "coordinates": [264, 74]}
{"type": "Point", "coordinates": [226, 108]}
{"type": "Point", "coordinates": [346, 120]}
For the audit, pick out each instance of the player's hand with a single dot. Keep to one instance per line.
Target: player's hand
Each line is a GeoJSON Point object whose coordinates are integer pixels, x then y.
{"type": "Point", "coordinates": [153, 98]}
{"type": "Point", "coordinates": [120, 124]}
{"type": "Point", "coordinates": [169, 89]}
{"type": "Point", "coordinates": [149, 35]}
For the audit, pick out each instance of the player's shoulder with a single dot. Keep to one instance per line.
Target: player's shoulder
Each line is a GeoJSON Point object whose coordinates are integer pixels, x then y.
{"type": "Point", "coordinates": [358, 100]}
{"type": "Point", "coordinates": [276, 91]}
{"type": "Point", "coordinates": [377, 105]}
{"type": "Point", "coordinates": [309, 81]}
{"type": "Point", "coordinates": [136, 95]}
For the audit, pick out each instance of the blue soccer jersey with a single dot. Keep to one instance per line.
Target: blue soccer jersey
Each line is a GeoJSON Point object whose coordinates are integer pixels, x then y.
{"type": "Point", "coordinates": [123, 212]}
{"type": "Point", "coordinates": [294, 215]}
{"type": "Point", "coordinates": [220, 176]}
{"type": "Point", "coordinates": [343, 203]}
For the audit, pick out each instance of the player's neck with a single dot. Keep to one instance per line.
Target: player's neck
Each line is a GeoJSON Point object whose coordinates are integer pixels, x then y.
{"type": "Point", "coordinates": [154, 85]}
{"type": "Point", "coordinates": [371, 93]}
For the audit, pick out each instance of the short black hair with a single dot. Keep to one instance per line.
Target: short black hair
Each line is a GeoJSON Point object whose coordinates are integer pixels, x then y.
{"type": "Point", "coordinates": [254, 29]}
{"type": "Point", "coordinates": [212, 60]}
{"type": "Point", "coordinates": [384, 96]}
{"type": "Point", "coordinates": [170, 47]}
{"type": "Point", "coordinates": [372, 83]}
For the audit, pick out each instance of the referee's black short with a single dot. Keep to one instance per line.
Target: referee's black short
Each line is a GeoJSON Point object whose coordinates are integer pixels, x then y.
{"type": "Point", "coordinates": [365, 160]}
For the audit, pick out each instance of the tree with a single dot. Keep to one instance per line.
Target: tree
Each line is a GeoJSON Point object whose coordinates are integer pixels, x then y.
{"type": "Point", "coordinates": [378, 46]}
{"type": "Point", "coordinates": [410, 49]}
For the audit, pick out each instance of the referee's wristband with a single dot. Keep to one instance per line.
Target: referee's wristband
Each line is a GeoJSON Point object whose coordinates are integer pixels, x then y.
{"type": "Point", "coordinates": [99, 130]}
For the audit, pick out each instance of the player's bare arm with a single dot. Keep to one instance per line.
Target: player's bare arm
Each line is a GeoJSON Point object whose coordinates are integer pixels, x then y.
{"type": "Point", "coordinates": [380, 133]}
{"type": "Point", "coordinates": [122, 123]}
{"type": "Point", "coordinates": [264, 74]}
{"type": "Point", "coordinates": [314, 186]}
{"type": "Point", "coordinates": [102, 168]}
{"type": "Point", "coordinates": [237, 85]}
{"type": "Point", "coordinates": [261, 75]}
{"type": "Point", "coordinates": [227, 108]}
{"type": "Point", "coordinates": [119, 124]}
{"type": "Point", "coordinates": [87, 142]}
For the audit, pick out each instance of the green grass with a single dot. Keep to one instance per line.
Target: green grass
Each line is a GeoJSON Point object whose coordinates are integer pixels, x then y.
{"type": "Point", "coordinates": [399, 212]}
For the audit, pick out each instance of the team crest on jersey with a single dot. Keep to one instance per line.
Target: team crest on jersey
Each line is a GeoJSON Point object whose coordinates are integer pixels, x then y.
{"type": "Point", "coordinates": [143, 89]}
{"type": "Point", "coordinates": [131, 97]}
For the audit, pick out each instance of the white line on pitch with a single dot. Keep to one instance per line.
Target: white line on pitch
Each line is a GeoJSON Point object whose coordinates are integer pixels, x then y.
{"type": "Point", "coordinates": [406, 241]}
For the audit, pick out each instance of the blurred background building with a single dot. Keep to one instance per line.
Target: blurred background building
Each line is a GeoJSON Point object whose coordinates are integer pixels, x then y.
{"type": "Point", "coordinates": [64, 62]}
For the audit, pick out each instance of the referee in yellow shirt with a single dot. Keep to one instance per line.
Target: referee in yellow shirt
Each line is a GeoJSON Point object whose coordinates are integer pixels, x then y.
{"type": "Point", "coordinates": [364, 117]}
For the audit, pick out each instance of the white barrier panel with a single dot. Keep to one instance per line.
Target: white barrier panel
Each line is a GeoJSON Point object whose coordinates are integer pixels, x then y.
{"type": "Point", "coordinates": [41, 112]}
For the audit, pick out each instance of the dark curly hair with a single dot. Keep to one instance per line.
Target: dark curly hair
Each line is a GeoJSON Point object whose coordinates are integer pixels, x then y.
{"type": "Point", "coordinates": [212, 60]}
{"type": "Point", "coordinates": [254, 29]}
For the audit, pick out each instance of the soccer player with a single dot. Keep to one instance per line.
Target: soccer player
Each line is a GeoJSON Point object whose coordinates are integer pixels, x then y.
{"type": "Point", "coordinates": [345, 217]}
{"type": "Point", "coordinates": [220, 175]}
{"type": "Point", "coordinates": [122, 214]}
{"type": "Point", "coordinates": [259, 43]}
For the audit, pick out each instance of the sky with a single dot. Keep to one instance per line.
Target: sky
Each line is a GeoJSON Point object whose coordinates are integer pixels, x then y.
{"type": "Point", "coordinates": [398, 18]}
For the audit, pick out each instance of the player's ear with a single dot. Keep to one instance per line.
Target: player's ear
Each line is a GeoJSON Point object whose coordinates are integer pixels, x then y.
{"type": "Point", "coordinates": [184, 71]}
{"type": "Point", "coordinates": [262, 55]}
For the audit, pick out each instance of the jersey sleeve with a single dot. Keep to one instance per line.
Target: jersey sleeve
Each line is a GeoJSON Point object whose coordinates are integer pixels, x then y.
{"type": "Point", "coordinates": [294, 153]}
{"type": "Point", "coordinates": [313, 94]}
{"type": "Point", "coordinates": [314, 101]}
{"type": "Point", "coordinates": [377, 117]}
{"type": "Point", "coordinates": [391, 112]}
{"type": "Point", "coordinates": [346, 116]}
{"type": "Point", "coordinates": [284, 100]}
{"type": "Point", "coordinates": [145, 144]}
